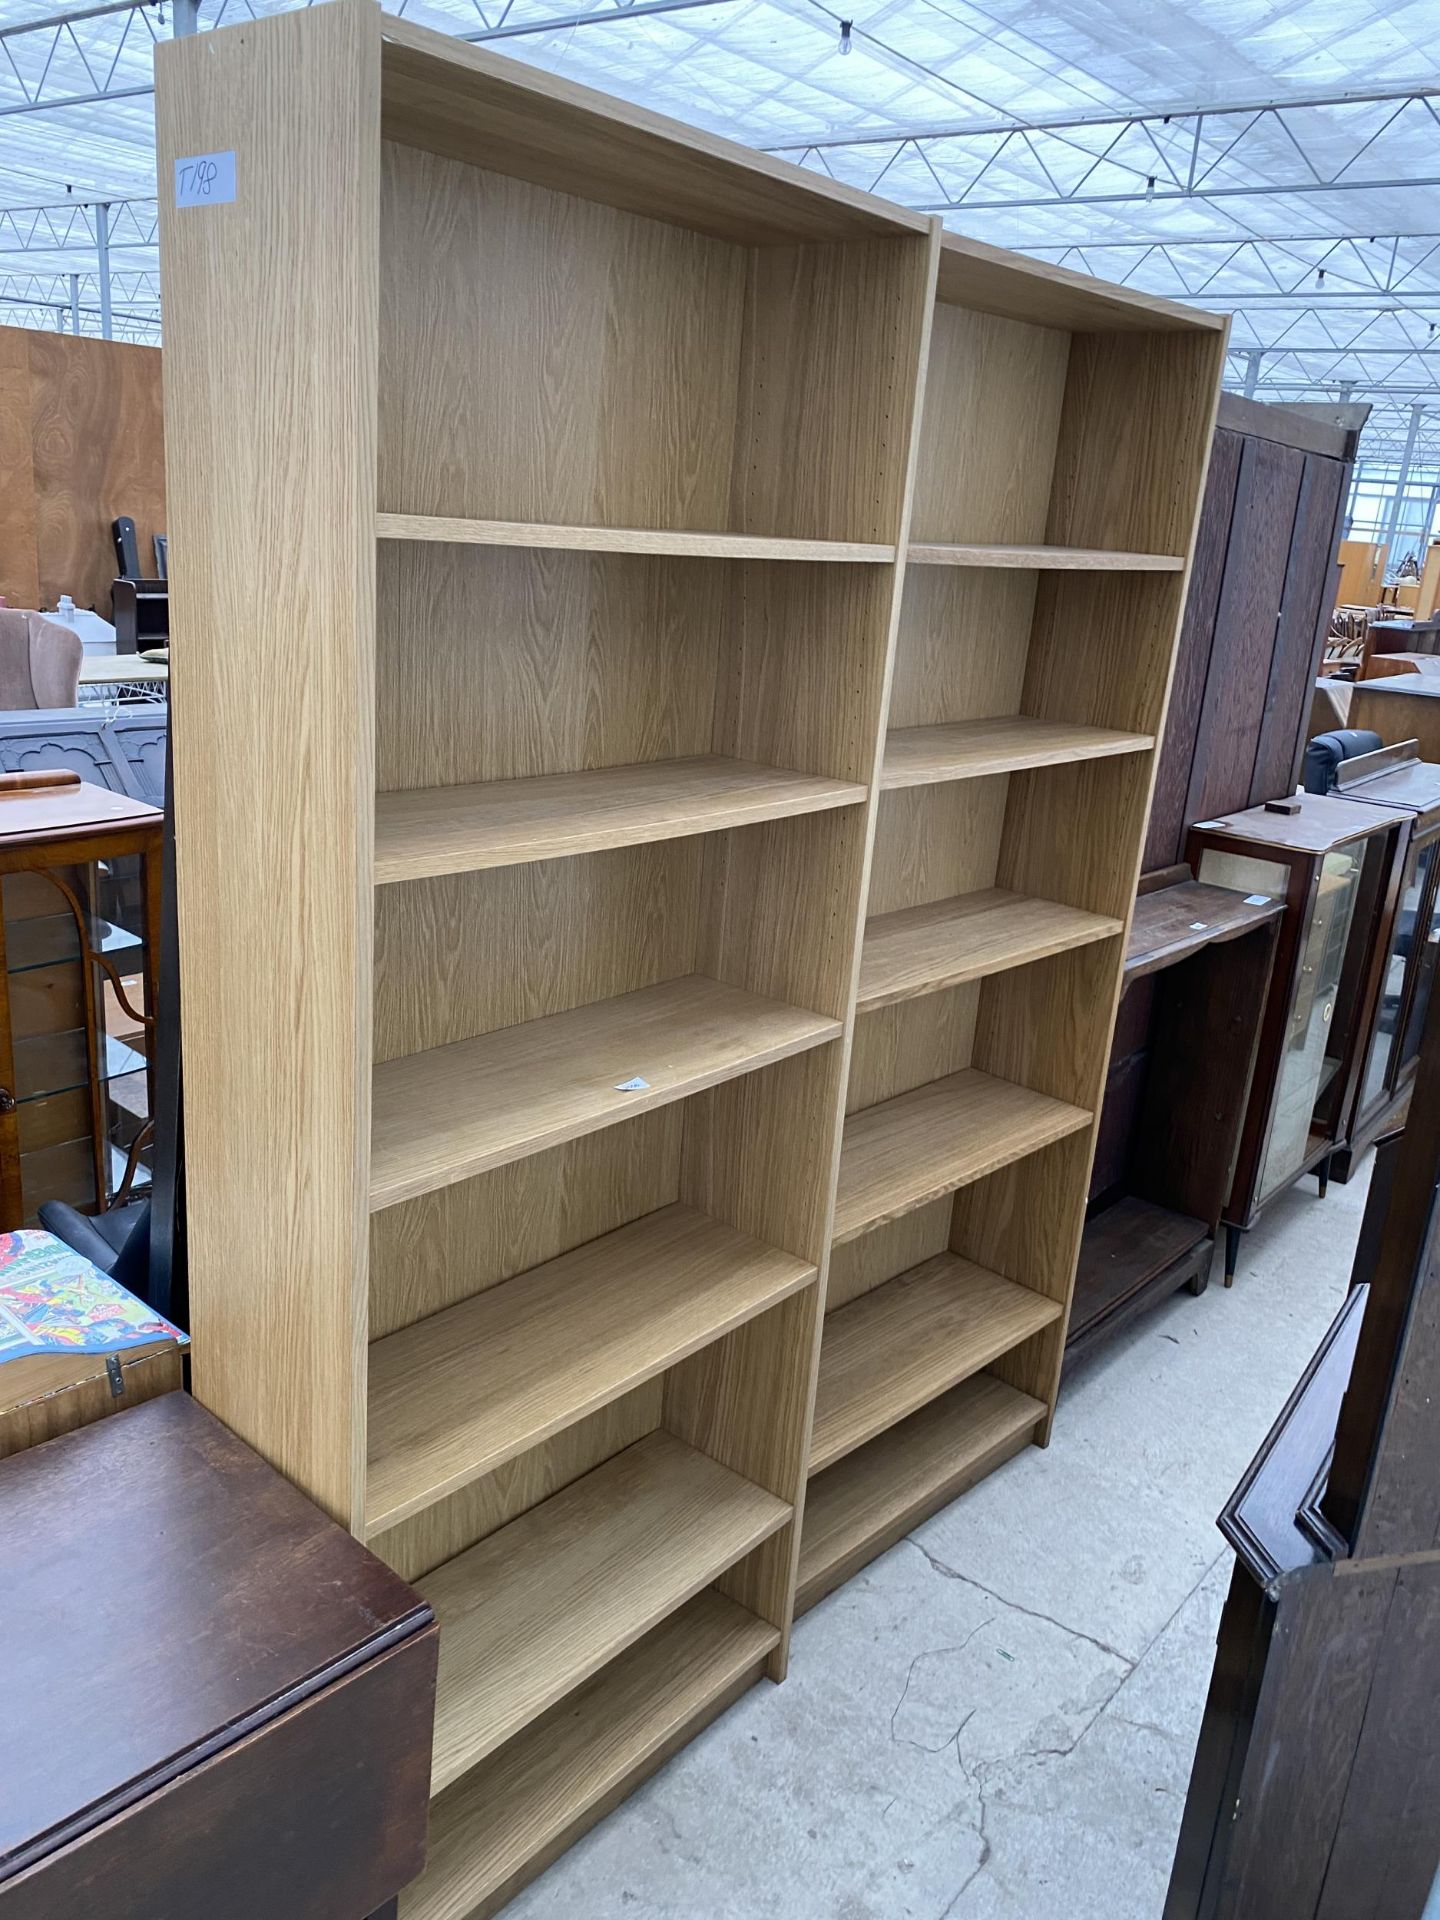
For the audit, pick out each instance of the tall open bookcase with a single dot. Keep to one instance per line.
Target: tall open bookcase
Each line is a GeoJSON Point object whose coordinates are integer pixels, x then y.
{"type": "Point", "coordinates": [541, 479]}
{"type": "Point", "coordinates": [1062, 452]}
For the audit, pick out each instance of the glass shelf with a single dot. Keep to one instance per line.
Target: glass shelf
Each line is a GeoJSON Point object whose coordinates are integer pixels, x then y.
{"type": "Point", "coordinates": [52, 1063]}
{"type": "Point", "coordinates": [52, 939]}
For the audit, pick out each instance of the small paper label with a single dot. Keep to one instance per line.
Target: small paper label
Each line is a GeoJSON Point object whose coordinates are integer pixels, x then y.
{"type": "Point", "coordinates": [205, 180]}
{"type": "Point", "coordinates": [637, 1085]}
{"type": "Point", "coordinates": [1198, 926]}
{"type": "Point", "coordinates": [1257, 899]}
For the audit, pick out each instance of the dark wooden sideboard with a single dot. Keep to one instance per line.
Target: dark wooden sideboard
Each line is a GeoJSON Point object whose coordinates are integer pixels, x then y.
{"type": "Point", "coordinates": [216, 1702]}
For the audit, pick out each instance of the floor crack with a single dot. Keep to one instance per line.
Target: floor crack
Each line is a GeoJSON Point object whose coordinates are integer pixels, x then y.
{"type": "Point", "coordinates": [950, 1573]}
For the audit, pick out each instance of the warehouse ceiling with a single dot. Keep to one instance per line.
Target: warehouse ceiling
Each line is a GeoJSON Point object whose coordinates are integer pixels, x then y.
{"type": "Point", "coordinates": [1281, 161]}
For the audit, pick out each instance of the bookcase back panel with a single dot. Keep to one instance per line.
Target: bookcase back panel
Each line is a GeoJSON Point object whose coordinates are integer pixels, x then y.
{"type": "Point", "coordinates": [418, 1545]}
{"type": "Point", "coordinates": [962, 646]}
{"type": "Point", "coordinates": [429, 1253]}
{"type": "Point", "coordinates": [832, 341]}
{"type": "Point", "coordinates": [934, 842]}
{"type": "Point", "coordinates": [911, 1043]}
{"type": "Point", "coordinates": [859, 1266]}
{"type": "Point", "coordinates": [1070, 832]}
{"type": "Point", "coordinates": [1048, 1025]}
{"type": "Point", "coordinates": [497, 663]}
{"type": "Point", "coordinates": [778, 908]}
{"type": "Point", "coordinates": [756, 1151]}
{"type": "Point", "coordinates": [801, 661]}
{"type": "Point", "coordinates": [1134, 439]}
{"type": "Point", "coordinates": [1120, 675]}
{"type": "Point", "coordinates": [546, 358]}
{"type": "Point", "coordinates": [468, 953]}
{"type": "Point", "coordinates": [993, 398]}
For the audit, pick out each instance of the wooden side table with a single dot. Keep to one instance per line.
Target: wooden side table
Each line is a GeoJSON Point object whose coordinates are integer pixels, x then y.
{"type": "Point", "coordinates": [217, 1702]}
{"type": "Point", "coordinates": [50, 821]}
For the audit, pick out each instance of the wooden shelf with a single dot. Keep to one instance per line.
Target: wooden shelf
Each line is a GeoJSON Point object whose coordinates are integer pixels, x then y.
{"type": "Point", "coordinates": [905, 1152]}
{"type": "Point", "coordinates": [442, 1115]}
{"type": "Point", "coordinates": [969, 749]}
{"type": "Point", "coordinates": [874, 1496]}
{"type": "Point", "coordinates": [456, 1395]}
{"type": "Point", "coordinates": [910, 1340]}
{"type": "Point", "coordinates": [1043, 559]}
{"type": "Point", "coordinates": [516, 1811]}
{"type": "Point", "coordinates": [922, 950]}
{"type": "Point", "coordinates": [1123, 1251]}
{"type": "Point", "coordinates": [661, 540]}
{"type": "Point", "coordinates": [501, 823]}
{"type": "Point", "coordinates": [541, 1605]}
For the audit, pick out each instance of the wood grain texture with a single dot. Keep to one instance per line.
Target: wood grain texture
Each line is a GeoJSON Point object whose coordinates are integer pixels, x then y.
{"type": "Point", "coordinates": [657, 540]}
{"type": "Point", "coordinates": [509, 1817]}
{"type": "Point", "coordinates": [426, 1254]}
{"type": "Point", "coordinates": [436, 1535]}
{"type": "Point", "coordinates": [864, 1264]}
{"type": "Point", "coordinates": [550, 1080]}
{"type": "Point", "coordinates": [19, 556]}
{"type": "Point", "coordinates": [993, 280]}
{"type": "Point", "coordinates": [456, 1395]}
{"type": "Point", "coordinates": [994, 389]}
{"type": "Point", "coordinates": [1261, 532]}
{"type": "Point", "coordinates": [915, 755]}
{"type": "Point", "coordinates": [909, 1043]}
{"type": "Point", "coordinates": [82, 441]}
{"type": "Point", "coordinates": [827, 388]}
{"type": "Point", "coordinates": [278, 1103]}
{"type": "Point", "coordinates": [901, 1154]}
{"type": "Point", "coordinates": [495, 112]}
{"type": "Point", "coordinates": [960, 653]}
{"type": "Point", "coordinates": [908, 1342]}
{"type": "Point", "coordinates": [543, 1604]}
{"type": "Point", "coordinates": [936, 842]}
{"type": "Point", "coordinates": [1044, 559]}
{"type": "Point", "coordinates": [432, 830]}
{"type": "Point", "coordinates": [1165, 833]}
{"type": "Point", "coordinates": [872, 1498]}
{"type": "Point", "coordinates": [923, 949]}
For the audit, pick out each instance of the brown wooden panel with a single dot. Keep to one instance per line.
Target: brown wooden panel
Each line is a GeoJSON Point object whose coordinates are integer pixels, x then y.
{"type": "Point", "coordinates": [319, 1815]}
{"type": "Point", "coordinates": [99, 451]}
{"type": "Point", "coordinates": [1383, 1860]}
{"type": "Point", "coordinates": [1245, 627]}
{"type": "Point", "coordinates": [1300, 634]}
{"type": "Point", "coordinates": [19, 571]}
{"type": "Point", "coordinates": [1168, 819]}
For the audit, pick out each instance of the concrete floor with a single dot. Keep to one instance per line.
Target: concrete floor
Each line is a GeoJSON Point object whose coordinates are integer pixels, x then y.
{"type": "Point", "coordinates": [995, 1721]}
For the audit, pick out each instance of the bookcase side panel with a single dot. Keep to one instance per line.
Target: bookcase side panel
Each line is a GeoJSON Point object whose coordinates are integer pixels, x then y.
{"type": "Point", "coordinates": [270, 396]}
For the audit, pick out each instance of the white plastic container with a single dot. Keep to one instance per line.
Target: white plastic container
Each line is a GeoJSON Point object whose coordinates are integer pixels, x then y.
{"type": "Point", "coordinates": [96, 635]}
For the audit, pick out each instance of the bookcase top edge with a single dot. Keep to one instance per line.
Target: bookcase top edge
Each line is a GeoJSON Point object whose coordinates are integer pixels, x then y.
{"type": "Point", "coordinates": [444, 95]}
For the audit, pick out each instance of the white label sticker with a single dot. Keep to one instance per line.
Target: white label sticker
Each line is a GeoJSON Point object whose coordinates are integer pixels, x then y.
{"type": "Point", "coordinates": [637, 1085]}
{"type": "Point", "coordinates": [1198, 926]}
{"type": "Point", "coordinates": [1257, 899]}
{"type": "Point", "coordinates": [205, 180]}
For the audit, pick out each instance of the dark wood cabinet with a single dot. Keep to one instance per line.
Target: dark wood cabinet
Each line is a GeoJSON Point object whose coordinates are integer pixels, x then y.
{"type": "Point", "coordinates": [1261, 590]}
{"type": "Point", "coordinates": [1389, 1050]}
{"type": "Point", "coordinates": [1197, 967]}
{"type": "Point", "coordinates": [1334, 864]}
{"type": "Point", "coordinates": [1317, 1772]}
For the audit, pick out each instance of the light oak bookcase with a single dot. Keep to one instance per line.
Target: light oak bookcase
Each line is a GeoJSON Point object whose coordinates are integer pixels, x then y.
{"type": "Point", "coordinates": [540, 476]}
{"type": "Point", "coordinates": [1065, 432]}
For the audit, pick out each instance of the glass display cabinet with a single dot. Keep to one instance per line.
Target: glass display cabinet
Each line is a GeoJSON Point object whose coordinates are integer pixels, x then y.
{"type": "Point", "coordinates": [80, 880]}
{"type": "Point", "coordinates": [1334, 863]}
{"type": "Point", "coordinates": [1396, 777]}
